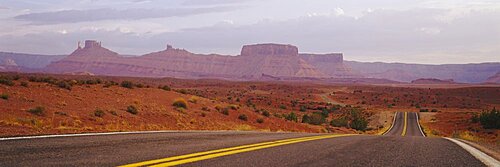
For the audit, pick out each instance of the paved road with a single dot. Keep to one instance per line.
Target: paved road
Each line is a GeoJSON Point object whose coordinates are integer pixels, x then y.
{"type": "Point", "coordinates": [358, 150]}
{"type": "Point", "coordinates": [412, 127]}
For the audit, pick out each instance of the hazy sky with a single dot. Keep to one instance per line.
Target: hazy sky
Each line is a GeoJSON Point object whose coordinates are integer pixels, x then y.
{"type": "Point", "coordinates": [411, 31]}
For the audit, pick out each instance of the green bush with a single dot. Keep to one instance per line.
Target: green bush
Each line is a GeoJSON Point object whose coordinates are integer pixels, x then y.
{"type": "Point", "coordinates": [359, 123]}
{"type": "Point", "coordinates": [132, 110]}
{"type": "Point", "coordinates": [127, 84]}
{"type": "Point", "coordinates": [306, 118]}
{"type": "Point", "coordinates": [291, 117]}
{"type": "Point", "coordinates": [99, 113]}
{"type": "Point", "coordinates": [434, 110]}
{"type": "Point", "coordinates": [490, 119]}
{"type": "Point", "coordinates": [339, 122]}
{"type": "Point", "coordinates": [243, 117]}
{"type": "Point", "coordinates": [180, 103]}
{"type": "Point", "coordinates": [37, 111]}
{"type": "Point", "coordinates": [283, 107]}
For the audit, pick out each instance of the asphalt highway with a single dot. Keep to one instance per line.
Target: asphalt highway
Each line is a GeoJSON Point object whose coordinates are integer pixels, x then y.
{"type": "Point", "coordinates": [240, 149]}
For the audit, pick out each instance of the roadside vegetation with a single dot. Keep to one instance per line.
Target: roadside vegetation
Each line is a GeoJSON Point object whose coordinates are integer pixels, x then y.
{"type": "Point", "coordinates": [488, 119]}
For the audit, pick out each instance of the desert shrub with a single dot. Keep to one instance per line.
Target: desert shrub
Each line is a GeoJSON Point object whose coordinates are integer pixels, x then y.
{"type": "Point", "coordinates": [24, 84]}
{"type": "Point", "coordinates": [303, 109]}
{"type": "Point", "coordinates": [37, 111]}
{"type": "Point", "coordinates": [180, 103]}
{"type": "Point", "coordinates": [339, 122]}
{"type": "Point", "coordinates": [283, 107]}
{"type": "Point", "coordinates": [193, 99]}
{"type": "Point", "coordinates": [64, 85]}
{"type": "Point", "coordinates": [127, 84]}
{"type": "Point", "coordinates": [291, 117]}
{"type": "Point", "coordinates": [182, 91]}
{"type": "Point", "coordinates": [266, 113]}
{"type": "Point", "coordinates": [4, 96]}
{"type": "Point", "coordinates": [108, 84]}
{"type": "Point", "coordinates": [16, 77]}
{"type": "Point", "coordinates": [6, 81]}
{"type": "Point", "coordinates": [434, 110]}
{"type": "Point", "coordinates": [474, 118]}
{"type": "Point", "coordinates": [99, 113]}
{"type": "Point", "coordinates": [359, 123]}
{"type": "Point", "coordinates": [234, 107]}
{"type": "Point", "coordinates": [490, 119]}
{"type": "Point", "coordinates": [225, 111]}
{"type": "Point", "coordinates": [259, 120]}
{"type": "Point", "coordinates": [317, 119]}
{"type": "Point", "coordinates": [139, 85]}
{"type": "Point", "coordinates": [424, 110]}
{"type": "Point", "coordinates": [132, 109]}
{"type": "Point", "coordinates": [165, 87]}
{"type": "Point", "coordinates": [49, 80]}
{"type": "Point", "coordinates": [205, 108]}
{"type": "Point", "coordinates": [306, 118]}
{"type": "Point", "coordinates": [243, 117]}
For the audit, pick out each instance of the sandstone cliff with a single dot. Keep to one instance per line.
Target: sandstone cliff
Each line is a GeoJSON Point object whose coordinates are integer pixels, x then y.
{"type": "Point", "coordinates": [330, 64]}
{"type": "Point", "coordinates": [255, 61]}
{"type": "Point", "coordinates": [494, 79]}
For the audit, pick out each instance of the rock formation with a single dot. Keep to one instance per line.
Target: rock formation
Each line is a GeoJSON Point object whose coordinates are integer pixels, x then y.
{"type": "Point", "coordinates": [254, 62]}
{"type": "Point", "coordinates": [330, 64]}
{"type": "Point", "coordinates": [494, 79]}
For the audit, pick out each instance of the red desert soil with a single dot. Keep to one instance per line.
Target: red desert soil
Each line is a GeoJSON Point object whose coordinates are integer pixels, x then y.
{"type": "Point", "coordinates": [74, 111]}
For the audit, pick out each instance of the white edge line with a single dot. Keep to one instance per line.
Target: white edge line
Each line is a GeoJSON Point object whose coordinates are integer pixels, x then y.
{"type": "Point", "coordinates": [393, 121]}
{"type": "Point", "coordinates": [418, 123]}
{"type": "Point", "coordinates": [485, 158]}
{"type": "Point", "coordinates": [97, 134]}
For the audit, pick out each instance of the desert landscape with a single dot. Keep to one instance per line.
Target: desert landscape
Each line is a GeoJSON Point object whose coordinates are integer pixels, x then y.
{"type": "Point", "coordinates": [249, 83]}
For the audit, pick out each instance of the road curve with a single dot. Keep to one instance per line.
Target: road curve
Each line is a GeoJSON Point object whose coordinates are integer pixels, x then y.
{"type": "Point", "coordinates": [123, 149]}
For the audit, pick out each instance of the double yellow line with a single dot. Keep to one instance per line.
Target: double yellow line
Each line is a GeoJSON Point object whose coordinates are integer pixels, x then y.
{"type": "Point", "coordinates": [188, 158]}
{"type": "Point", "coordinates": [405, 124]}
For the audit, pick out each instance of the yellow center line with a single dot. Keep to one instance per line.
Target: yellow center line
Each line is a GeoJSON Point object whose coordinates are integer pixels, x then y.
{"type": "Point", "coordinates": [405, 124]}
{"type": "Point", "coordinates": [182, 159]}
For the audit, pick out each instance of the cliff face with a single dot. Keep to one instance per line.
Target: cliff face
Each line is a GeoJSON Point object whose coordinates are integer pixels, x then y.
{"type": "Point", "coordinates": [255, 61]}
{"type": "Point", "coordinates": [494, 79]}
{"type": "Point", "coordinates": [330, 64]}
{"type": "Point", "coordinates": [274, 60]}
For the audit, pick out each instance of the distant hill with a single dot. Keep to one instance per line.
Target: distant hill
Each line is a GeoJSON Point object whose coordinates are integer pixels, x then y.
{"type": "Point", "coordinates": [30, 60]}
{"type": "Point", "coordinates": [433, 81]}
{"type": "Point", "coordinates": [494, 79]}
{"type": "Point", "coordinates": [256, 62]}
{"type": "Point", "coordinates": [464, 73]}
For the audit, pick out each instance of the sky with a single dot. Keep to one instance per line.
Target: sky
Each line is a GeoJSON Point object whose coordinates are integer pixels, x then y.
{"type": "Point", "coordinates": [408, 31]}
